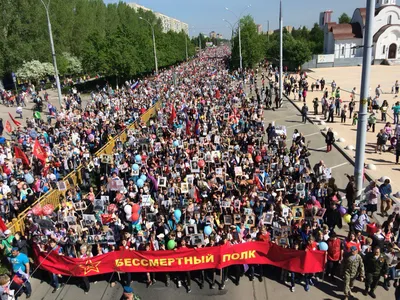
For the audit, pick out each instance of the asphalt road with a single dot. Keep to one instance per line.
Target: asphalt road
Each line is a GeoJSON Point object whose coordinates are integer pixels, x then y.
{"type": "Point", "coordinates": [271, 287]}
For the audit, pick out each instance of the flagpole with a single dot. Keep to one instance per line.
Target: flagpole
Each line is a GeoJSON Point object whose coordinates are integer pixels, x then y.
{"type": "Point", "coordinates": [31, 160]}
{"type": "Point", "coordinates": [280, 53]}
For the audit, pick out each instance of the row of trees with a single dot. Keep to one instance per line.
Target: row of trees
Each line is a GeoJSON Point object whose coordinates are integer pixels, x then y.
{"type": "Point", "coordinates": [298, 45]}
{"type": "Point", "coordinates": [89, 36]}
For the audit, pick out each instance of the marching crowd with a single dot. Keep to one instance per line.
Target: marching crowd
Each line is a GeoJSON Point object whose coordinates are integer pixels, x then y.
{"type": "Point", "coordinates": [42, 152]}
{"type": "Point", "coordinates": [205, 171]}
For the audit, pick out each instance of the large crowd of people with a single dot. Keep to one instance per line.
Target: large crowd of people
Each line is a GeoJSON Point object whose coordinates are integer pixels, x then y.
{"type": "Point", "coordinates": [207, 170]}
{"type": "Point", "coordinates": [66, 138]}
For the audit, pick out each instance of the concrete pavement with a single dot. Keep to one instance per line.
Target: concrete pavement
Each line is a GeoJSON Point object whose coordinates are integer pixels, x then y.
{"type": "Point", "coordinates": [347, 78]}
{"type": "Point", "coordinates": [27, 112]}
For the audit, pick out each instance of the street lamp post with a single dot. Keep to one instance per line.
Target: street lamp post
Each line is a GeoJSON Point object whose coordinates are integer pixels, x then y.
{"type": "Point", "coordinates": [53, 52]}
{"type": "Point", "coordinates": [186, 45]}
{"type": "Point", "coordinates": [240, 40]}
{"type": "Point", "coordinates": [199, 43]}
{"type": "Point", "coordinates": [154, 44]}
{"type": "Point", "coordinates": [280, 53]}
{"type": "Point", "coordinates": [232, 27]}
{"type": "Point", "coordinates": [186, 36]}
{"type": "Point", "coordinates": [362, 113]}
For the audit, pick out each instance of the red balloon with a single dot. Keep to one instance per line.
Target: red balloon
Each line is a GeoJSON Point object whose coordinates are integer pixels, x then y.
{"type": "Point", "coordinates": [135, 217]}
{"type": "Point", "coordinates": [112, 208]}
{"type": "Point", "coordinates": [258, 158]}
{"type": "Point", "coordinates": [47, 209]}
{"type": "Point", "coordinates": [201, 163]}
{"type": "Point", "coordinates": [37, 210]}
{"type": "Point", "coordinates": [135, 208]}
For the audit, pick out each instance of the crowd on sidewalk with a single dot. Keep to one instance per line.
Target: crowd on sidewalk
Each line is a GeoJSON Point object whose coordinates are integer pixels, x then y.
{"type": "Point", "coordinates": [207, 170]}
{"type": "Point", "coordinates": [36, 154]}
{"type": "Point", "coordinates": [333, 105]}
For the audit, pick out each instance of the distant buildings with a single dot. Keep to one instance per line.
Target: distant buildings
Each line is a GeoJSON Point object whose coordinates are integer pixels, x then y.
{"type": "Point", "coordinates": [214, 35]}
{"type": "Point", "coordinates": [346, 40]}
{"type": "Point", "coordinates": [325, 17]}
{"type": "Point", "coordinates": [259, 28]}
{"type": "Point", "coordinates": [168, 23]}
{"type": "Point", "coordinates": [288, 28]}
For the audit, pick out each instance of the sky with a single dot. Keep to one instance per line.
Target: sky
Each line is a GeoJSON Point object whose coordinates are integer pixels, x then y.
{"type": "Point", "coordinates": [207, 15]}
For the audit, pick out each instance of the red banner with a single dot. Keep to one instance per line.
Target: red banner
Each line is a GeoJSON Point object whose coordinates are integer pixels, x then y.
{"type": "Point", "coordinates": [185, 260]}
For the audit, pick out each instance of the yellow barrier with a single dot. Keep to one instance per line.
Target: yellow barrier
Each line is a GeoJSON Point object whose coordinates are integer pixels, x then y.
{"type": "Point", "coordinates": [75, 177]}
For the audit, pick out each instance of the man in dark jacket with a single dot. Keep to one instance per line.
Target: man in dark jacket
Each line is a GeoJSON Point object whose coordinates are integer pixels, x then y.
{"type": "Point", "coordinates": [375, 267]}
{"type": "Point", "coordinates": [350, 192]}
{"type": "Point", "coordinates": [397, 151]}
{"type": "Point", "coordinates": [304, 112]}
{"type": "Point", "coordinates": [333, 217]}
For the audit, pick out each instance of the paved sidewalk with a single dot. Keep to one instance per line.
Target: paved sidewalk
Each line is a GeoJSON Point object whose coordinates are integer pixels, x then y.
{"type": "Point", "coordinates": [28, 111]}
{"type": "Point", "coordinates": [347, 78]}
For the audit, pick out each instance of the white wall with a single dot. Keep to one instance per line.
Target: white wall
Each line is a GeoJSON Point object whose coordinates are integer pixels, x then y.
{"type": "Point", "coordinates": [382, 18]}
{"type": "Point", "coordinates": [391, 35]}
{"type": "Point", "coordinates": [347, 45]}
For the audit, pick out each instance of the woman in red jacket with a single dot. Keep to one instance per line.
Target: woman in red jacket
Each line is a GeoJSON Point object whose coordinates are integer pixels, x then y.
{"type": "Point", "coordinates": [351, 241]}
{"type": "Point", "coordinates": [335, 255]}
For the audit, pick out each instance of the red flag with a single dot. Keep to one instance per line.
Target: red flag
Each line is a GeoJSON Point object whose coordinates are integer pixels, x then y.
{"type": "Point", "coordinates": [8, 126]}
{"type": "Point", "coordinates": [218, 94]}
{"type": "Point", "coordinates": [197, 126]}
{"type": "Point", "coordinates": [45, 170]}
{"type": "Point", "coordinates": [258, 182]}
{"type": "Point", "coordinates": [188, 126]}
{"type": "Point", "coordinates": [15, 121]}
{"type": "Point", "coordinates": [197, 195]}
{"type": "Point", "coordinates": [3, 226]}
{"type": "Point", "coordinates": [18, 153]}
{"type": "Point", "coordinates": [39, 152]}
{"type": "Point", "coordinates": [172, 116]}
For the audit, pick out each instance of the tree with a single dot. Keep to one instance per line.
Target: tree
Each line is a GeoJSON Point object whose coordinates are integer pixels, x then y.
{"type": "Point", "coordinates": [74, 64]}
{"type": "Point", "coordinates": [344, 19]}
{"type": "Point", "coordinates": [89, 36]}
{"type": "Point", "coordinates": [317, 39]}
{"type": "Point", "coordinates": [68, 64]}
{"type": "Point", "coordinates": [252, 44]}
{"type": "Point", "coordinates": [295, 51]}
{"type": "Point", "coordinates": [34, 70]}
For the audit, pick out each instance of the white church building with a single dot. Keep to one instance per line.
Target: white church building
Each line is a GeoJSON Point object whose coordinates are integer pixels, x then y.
{"type": "Point", "coordinates": [346, 40]}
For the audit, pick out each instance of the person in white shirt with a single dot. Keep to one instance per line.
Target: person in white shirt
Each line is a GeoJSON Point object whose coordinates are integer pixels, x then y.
{"type": "Point", "coordinates": [2, 157]}
{"type": "Point", "coordinates": [4, 188]}
{"type": "Point", "coordinates": [372, 194]}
